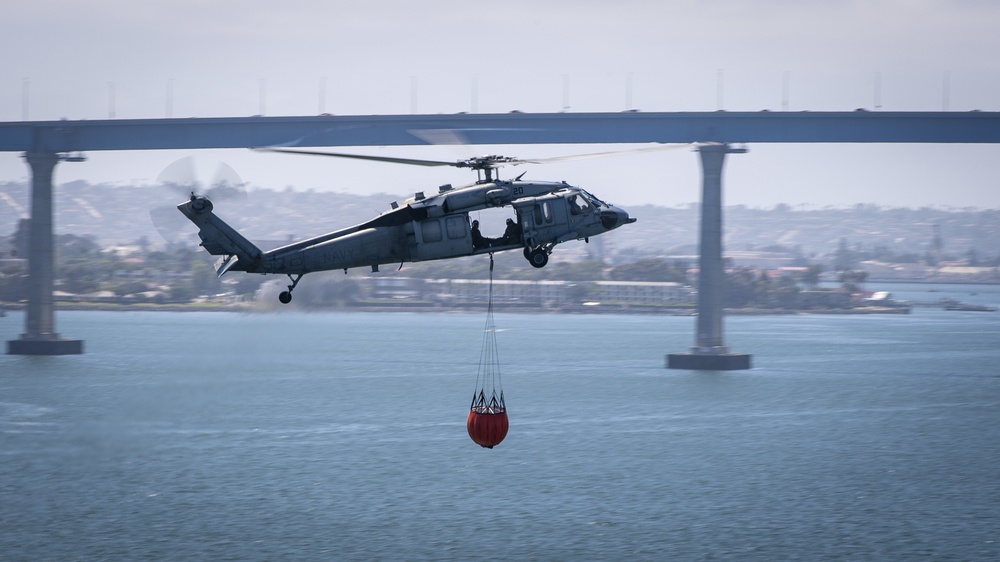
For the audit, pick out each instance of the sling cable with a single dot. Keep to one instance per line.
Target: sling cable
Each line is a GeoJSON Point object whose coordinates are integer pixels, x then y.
{"type": "Point", "coordinates": [487, 421]}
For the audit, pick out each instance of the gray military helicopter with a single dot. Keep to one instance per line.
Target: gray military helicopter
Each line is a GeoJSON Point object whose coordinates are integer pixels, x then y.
{"type": "Point", "coordinates": [424, 227]}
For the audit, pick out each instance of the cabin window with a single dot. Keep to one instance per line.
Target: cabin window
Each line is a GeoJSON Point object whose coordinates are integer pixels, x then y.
{"type": "Point", "coordinates": [431, 231]}
{"type": "Point", "coordinates": [543, 212]}
{"type": "Point", "coordinates": [455, 227]}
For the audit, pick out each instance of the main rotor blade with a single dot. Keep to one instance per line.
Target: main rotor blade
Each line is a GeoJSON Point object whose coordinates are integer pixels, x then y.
{"type": "Point", "coordinates": [394, 160]}
{"type": "Point", "coordinates": [603, 154]}
{"type": "Point", "coordinates": [476, 163]}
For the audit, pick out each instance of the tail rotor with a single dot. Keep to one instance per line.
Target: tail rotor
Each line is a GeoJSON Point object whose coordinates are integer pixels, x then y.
{"type": "Point", "coordinates": [179, 181]}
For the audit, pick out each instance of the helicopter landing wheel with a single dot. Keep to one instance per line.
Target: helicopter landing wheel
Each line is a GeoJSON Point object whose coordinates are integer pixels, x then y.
{"type": "Point", "coordinates": [537, 257]}
{"type": "Point", "coordinates": [285, 297]}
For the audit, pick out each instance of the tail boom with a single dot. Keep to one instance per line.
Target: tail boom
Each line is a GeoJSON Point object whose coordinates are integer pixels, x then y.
{"type": "Point", "coordinates": [220, 239]}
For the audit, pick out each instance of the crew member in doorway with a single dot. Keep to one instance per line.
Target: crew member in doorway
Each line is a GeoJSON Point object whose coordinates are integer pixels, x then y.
{"type": "Point", "coordinates": [512, 234]}
{"type": "Point", "coordinates": [478, 240]}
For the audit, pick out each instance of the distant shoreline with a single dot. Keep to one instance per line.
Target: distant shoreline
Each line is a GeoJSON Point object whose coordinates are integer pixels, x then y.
{"type": "Point", "coordinates": [395, 307]}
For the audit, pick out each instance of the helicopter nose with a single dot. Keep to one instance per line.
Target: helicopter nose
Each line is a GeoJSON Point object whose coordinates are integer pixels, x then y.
{"type": "Point", "coordinates": [615, 217]}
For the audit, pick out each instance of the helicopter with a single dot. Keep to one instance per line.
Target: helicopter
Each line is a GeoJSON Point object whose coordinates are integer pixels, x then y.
{"type": "Point", "coordinates": [424, 227]}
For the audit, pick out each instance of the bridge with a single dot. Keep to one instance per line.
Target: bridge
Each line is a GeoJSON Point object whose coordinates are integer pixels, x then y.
{"type": "Point", "coordinates": [46, 143]}
{"type": "Point", "coordinates": [507, 128]}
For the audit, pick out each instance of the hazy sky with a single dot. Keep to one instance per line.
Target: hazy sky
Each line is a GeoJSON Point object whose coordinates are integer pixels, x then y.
{"type": "Point", "coordinates": [185, 58]}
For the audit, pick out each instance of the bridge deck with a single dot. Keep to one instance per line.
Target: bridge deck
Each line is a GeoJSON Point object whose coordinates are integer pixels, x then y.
{"type": "Point", "coordinates": [506, 128]}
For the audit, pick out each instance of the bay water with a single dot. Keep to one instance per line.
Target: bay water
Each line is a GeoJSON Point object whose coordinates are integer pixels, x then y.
{"type": "Point", "coordinates": [341, 436]}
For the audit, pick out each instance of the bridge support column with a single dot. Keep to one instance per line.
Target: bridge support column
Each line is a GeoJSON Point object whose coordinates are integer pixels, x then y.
{"type": "Point", "coordinates": [40, 337]}
{"type": "Point", "coordinates": [709, 352]}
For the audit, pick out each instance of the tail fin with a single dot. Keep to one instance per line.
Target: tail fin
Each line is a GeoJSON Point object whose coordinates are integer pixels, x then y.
{"type": "Point", "coordinates": [219, 238]}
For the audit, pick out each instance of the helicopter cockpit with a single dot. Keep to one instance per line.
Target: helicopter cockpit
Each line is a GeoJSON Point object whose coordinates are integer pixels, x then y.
{"type": "Point", "coordinates": [582, 203]}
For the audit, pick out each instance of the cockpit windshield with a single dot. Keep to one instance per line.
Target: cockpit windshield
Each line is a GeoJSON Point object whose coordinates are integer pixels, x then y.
{"type": "Point", "coordinates": [581, 202]}
{"type": "Point", "coordinates": [592, 200]}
